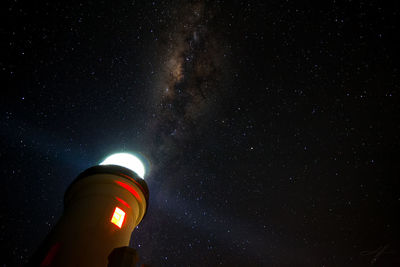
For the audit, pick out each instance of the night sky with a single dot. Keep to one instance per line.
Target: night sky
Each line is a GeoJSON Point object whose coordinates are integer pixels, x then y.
{"type": "Point", "coordinates": [271, 128]}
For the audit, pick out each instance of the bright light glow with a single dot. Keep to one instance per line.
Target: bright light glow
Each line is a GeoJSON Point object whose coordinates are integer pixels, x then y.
{"type": "Point", "coordinates": [126, 160]}
{"type": "Point", "coordinates": [118, 217]}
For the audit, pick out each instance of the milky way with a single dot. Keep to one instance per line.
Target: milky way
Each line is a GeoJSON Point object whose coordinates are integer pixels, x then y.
{"type": "Point", "coordinates": [190, 83]}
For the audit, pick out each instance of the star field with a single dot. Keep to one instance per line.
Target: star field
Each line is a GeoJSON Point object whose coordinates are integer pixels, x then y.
{"type": "Point", "coordinates": [271, 128]}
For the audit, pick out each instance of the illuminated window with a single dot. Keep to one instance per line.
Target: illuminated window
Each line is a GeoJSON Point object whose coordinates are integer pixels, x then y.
{"type": "Point", "coordinates": [118, 217]}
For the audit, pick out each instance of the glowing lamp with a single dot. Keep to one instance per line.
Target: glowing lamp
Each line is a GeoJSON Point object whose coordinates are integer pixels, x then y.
{"type": "Point", "coordinates": [102, 207]}
{"type": "Point", "coordinates": [126, 160]}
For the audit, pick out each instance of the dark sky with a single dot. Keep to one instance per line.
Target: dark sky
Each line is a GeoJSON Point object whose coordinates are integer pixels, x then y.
{"type": "Point", "coordinates": [271, 128]}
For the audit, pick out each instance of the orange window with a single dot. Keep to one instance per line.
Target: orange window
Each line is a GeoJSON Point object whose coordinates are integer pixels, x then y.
{"type": "Point", "coordinates": [118, 217]}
